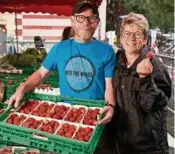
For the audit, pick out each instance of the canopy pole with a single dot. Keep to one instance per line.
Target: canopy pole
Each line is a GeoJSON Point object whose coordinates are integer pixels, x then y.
{"type": "Point", "coordinates": [16, 31]}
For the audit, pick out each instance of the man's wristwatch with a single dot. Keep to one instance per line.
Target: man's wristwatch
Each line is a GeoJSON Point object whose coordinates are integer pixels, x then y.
{"type": "Point", "coordinates": [111, 105]}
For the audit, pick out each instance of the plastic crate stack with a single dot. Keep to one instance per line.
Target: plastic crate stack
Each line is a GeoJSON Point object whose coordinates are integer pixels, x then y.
{"type": "Point", "coordinates": [51, 123]}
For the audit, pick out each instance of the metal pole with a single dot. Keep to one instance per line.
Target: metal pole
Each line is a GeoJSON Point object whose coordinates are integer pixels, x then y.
{"type": "Point", "coordinates": [16, 31]}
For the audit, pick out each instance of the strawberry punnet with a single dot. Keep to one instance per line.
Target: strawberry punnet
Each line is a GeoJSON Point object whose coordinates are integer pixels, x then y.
{"type": "Point", "coordinates": [67, 130]}
{"type": "Point", "coordinates": [83, 134]}
{"type": "Point", "coordinates": [75, 114]}
{"type": "Point", "coordinates": [91, 117]}
{"type": "Point", "coordinates": [6, 150]}
{"type": "Point", "coordinates": [49, 126]}
{"type": "Point", "coordinates": [16, 119]}
{"type": "Point", "coordinates": [58, 112]}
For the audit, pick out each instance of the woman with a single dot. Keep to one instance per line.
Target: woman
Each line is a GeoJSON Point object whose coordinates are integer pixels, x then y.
{"type": "Point", "coordinates": [142, 88]}
{"type": "Point", "coordinates": [67, 33]}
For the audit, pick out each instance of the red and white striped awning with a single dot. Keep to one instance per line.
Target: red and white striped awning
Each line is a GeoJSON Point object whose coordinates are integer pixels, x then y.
{"type": "Point", "coordinates": [59, 7]}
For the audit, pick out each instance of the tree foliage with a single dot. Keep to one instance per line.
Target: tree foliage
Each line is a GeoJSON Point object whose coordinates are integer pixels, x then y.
{"type": "Point", "coordinates": [160, 13]}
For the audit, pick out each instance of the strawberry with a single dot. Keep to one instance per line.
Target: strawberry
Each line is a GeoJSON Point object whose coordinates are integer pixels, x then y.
{"type": "Point", "coordinates": [68, 134]}
{"type": "Point", "coordinates": [42, 109]}
{"type": "Point", "coordinates": [66, 125]}
{"type": "Point", "coordinates": [86, 138]}
{"type": "Point", "coordinates": [10, 121]}
{"type": "Point", "coordinates": [88, 130]}
{"type": "Point", "coordinates": [60, 132]}
{"type": "Point", "coordinates": [50, 106]}
{"type": "Point", "coordinates": [26, 125]}
{"type": "Point", "coordinates": [149, 55]}
{"type": "Point", "coordinates": [9, 82]}
{"type": "Point", "coordinates": [50, 131]}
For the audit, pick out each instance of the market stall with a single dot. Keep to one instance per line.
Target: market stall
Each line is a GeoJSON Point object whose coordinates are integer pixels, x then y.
{"type": "Point", "coordinates": [40, 125]}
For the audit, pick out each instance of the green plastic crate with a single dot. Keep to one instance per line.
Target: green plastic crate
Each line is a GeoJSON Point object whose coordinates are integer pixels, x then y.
{"type": "Point", "coordinates": [3, 106]}
{"type": "Point", "coordinates": [4, 143]}
{"type": "Point", "coordinates": [53, 83]}
{"type": "Point", "coordinates": [14, 82]}
{"type": "Point", "coordinates": [11, 76]}
{"type": "Point", "coordinates": [53, 77]}
{"type": "Point", "coordinates": [19, 150]}
{"type": "Point", "coordinates": [10, 89]}
{"type": "Point", "coordinates": [54, 143]}
{"type": "Point", "coordinates": [29, 70]}
{"type": "Point", "coordinates": [25, 71]}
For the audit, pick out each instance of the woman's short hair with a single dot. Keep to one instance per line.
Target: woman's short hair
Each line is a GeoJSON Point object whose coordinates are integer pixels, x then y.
{"type": "Point", "coordinates": [138, 19]}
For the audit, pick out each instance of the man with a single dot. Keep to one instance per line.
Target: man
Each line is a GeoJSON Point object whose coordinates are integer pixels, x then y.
{"type": "Point", "coordinates": [85, 65]}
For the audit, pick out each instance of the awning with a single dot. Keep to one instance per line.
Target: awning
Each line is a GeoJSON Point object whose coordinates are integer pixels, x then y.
{"type": "Point", "coordinates": [59, 7]}
{"type": "Point", "coordinates": [55, 9]}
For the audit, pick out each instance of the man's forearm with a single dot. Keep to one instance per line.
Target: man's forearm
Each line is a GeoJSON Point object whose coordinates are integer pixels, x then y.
{"type": "Point", "coordinates": [109, 95]}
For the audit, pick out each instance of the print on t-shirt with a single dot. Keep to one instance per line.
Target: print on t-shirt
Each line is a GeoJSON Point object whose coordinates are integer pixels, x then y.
{"type": "Point", "coordinates": [79, 73]}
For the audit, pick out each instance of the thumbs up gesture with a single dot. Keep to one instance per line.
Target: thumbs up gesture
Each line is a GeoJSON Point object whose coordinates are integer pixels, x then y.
{"type": "Point", "coordinates": [145, 68]}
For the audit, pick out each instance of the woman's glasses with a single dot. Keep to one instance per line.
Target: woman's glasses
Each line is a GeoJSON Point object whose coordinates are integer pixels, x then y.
{"type": "Point", "coordinates": [137, 34]}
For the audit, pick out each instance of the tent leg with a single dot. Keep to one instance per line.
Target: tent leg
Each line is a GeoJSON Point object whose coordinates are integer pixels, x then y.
{"type": "Point", "coordinates": [16, 32]}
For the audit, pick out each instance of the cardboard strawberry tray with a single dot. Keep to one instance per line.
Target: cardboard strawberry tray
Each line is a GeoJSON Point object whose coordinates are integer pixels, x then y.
{"type": "Point", "coordinates": [56, 142]}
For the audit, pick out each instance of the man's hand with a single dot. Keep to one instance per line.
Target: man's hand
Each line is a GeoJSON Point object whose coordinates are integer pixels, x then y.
{"type": "Point", "coordinates": [145, 68]}
{"type": "Point", "coordinates": [15, 98]}
{"type": "Point", "coordinates": [108, 112]}
{"type": "Point", "coordinates": [35, 79]}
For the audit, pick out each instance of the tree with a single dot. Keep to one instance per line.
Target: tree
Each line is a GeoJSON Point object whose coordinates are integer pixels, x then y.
{"type": "Point", "coordinates": [114, 10]}
{"type": "Point", "coordinates": [160, 13]}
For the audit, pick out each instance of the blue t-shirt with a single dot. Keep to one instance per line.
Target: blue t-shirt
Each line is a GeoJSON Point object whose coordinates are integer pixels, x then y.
{"type": "Point", "coordinates": [82, 67]}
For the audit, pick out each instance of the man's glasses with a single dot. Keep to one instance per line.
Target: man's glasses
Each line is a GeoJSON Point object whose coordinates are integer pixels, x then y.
{"type": "Point", "coordinates": [136, 34]}
{"type": "Point", "coordinates": [82, 18]}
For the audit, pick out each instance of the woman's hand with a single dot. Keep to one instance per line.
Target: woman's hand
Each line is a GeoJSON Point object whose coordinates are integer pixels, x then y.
{"type": "Point", "coordinates": [144, 68]}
